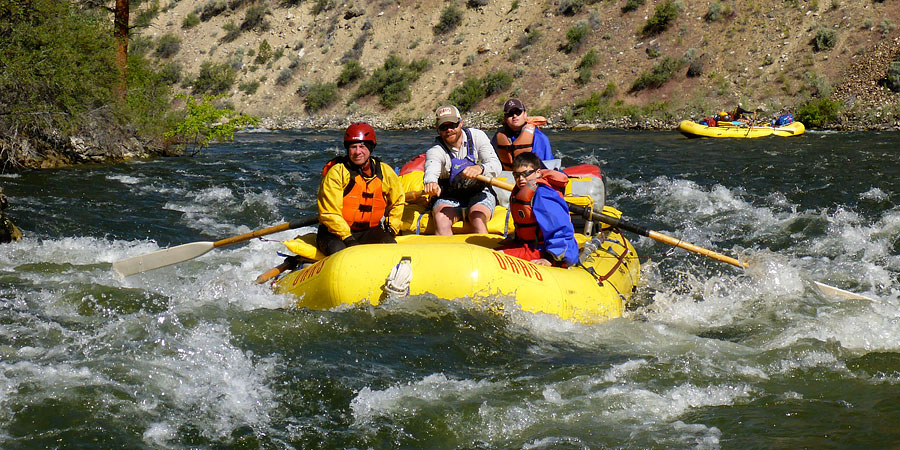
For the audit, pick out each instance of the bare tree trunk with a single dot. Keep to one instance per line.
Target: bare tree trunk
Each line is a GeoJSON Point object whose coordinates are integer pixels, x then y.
{"type": "Point", "coordinates": [121, 33]}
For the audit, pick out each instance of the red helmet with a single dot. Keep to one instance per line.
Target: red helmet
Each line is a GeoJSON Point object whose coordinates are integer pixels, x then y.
{"type": "Point", "coordinates": [360, 132]}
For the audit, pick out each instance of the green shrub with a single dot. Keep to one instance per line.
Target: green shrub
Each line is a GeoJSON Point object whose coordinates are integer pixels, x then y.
{"type": "Point", "coordinates": [57, 63]}
{"type": "Point", "coordinates": [468, 94]}
{"type": "Point", "coordinates": [167, 45]}
{"type": "Point", "coordinates": [496, 82]}
{"type": "Point", "coordinates": [320, 95]}
{"type": "Point", "coordinates": [212, 9]}
{"type": "Point", "coordinates": [263, 53]}
{"type": "Point", "coordinates": [632, 5]}
{"type": "Point", "coordinates": [826, 39]}
{"type": "Point", "coordinates": [205, 122]}
{"type": "Point", "coordinates": [584, 76]}
{"type": "Point", "coordinates": [214, 79]}
{"type": "Point", "coordinates": [575, 36]}
{"type": "Point", "coordinates": [145, 17]}
{"type": "Point", "coordinates": [530, 37]}
{"type": "Point", "coordinates": [718, 11]}
{"type": "Point", "coordinates": [662, 72]}
{"type": "Point", "coordinates": [570, 7]}
{"type": "Point", "coordinates": [284, 77]}
{"type": "Point", "coordinates": [473, 90]}
{"type": "Point", "coordinates": [475, 4]}
{"type": "Point", "coordinates": [255, 19]}
{"type": "Point", "coordinates": [351, 72]}
{"type": "Point", "coordinates": [249, 87]}
{"type": "Point", "coordinates": [170, 73]}
{"type": "Point", "coordinates": [818, 112]}
{"type": "Point", "coordinates": [391, 81]}
{"type": "Point", "coordinates": [232, 32]}
{"type": "Point", "coordinates": [662, 17]}
{"type": "Point", "coordinates": [589, 60]}
{"type": "Point", "coordinates": [892, 81]}
{"type": "Point", "coordinates": [451, 17]}
{"type": "Point", "coordinates": [190, 21]}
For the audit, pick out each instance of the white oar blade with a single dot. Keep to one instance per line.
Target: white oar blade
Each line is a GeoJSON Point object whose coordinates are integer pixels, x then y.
{"type": "Point", "coordinates": [161, 258]}
{"type": "Point", "coordinates": [832, 291]}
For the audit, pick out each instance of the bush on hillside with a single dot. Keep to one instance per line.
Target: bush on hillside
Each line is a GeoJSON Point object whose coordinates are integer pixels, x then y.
{"type": "Point", "coordinates": [263, 53]}
{"type": "Point", "coordinates": [190, 21]}
{"type": "Point", "coordinates": [468, 94]}
{"type": "Point", "coordinates": [662, 72]}
{"type": "Point", "coordinates": [818, 112]}
{"type": "Point", "coordinates": [473, 90]}
{"type": "Point", "coordinates": [255, 19]}
{"type": "Point", "coordinates": [391, 81]}
{"type": "Point", "coordinates": [826, 39]}
{"type": "Point", "coordinates": [351, 72]}
{"type": "Point", "coordinates": [718, 11]}
{"type": "Point", "coordinates": [892, 81]}
{"type": "Point", "coordinates": [213, 8]}
{"type": "Point", "coordinates": [232, 32]}
{"type": "Point", "coordinates": [632, 5]}
{"type": "Point", "coordinates": [214, 79]}
{"type": "Point", "coordinates": [662, 17]}
{"type": "Point", "coordinates": [475, 4]}
{"type": "Point", "coordinates": [575, 37]}
{"type": "Point", "coordinates": [320, 96]}
{"type": "Point", "coordinates": [569, 7]}
{"type": "Point", "coordinates": [451, 17]}
{"type": "Point", "coordinates": [167, 46]}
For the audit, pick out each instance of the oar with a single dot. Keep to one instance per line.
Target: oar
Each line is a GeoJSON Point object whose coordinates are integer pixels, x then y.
{"type": "Point", "coordinates": [621, 224]}
{"type": "Point", "coordinates": [181, 253]}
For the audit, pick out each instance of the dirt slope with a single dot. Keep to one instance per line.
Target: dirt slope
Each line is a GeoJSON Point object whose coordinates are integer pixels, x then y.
{"type": "Point", "coordinates": [759, 53]}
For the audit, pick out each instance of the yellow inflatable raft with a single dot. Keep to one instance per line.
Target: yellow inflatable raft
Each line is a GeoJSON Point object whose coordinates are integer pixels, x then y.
{"type": "Point", "coordinates": [464, 267]}
{"type": "Point", "coordinates": [693, 129]}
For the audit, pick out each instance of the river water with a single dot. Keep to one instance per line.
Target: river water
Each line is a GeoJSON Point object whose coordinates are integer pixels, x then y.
{"type": "Point", "coordinates": [709, 356]}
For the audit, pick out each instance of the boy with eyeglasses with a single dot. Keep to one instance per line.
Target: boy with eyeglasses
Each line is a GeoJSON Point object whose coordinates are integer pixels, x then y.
{"type": "Point", "coordinates": [544, 231]}
{"type": "Point", "coordinates": [451, 165]}
{"type": "Point", "coordinates": [518, 136]}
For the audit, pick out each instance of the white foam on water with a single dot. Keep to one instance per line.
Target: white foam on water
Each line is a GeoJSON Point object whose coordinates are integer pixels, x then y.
{"type": "Point", "coordinates": [208, 382]}
{"type": "Point", "coordinates": [406, 399]}
{"type": "Point", "coordinates": [875, 194]}
{"type": "Point", "coordinates": [125, 179]}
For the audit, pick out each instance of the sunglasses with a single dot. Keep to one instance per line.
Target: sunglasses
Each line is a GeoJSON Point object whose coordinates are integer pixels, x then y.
{"type": "Point", "coordinates": [448, 126]}
{"type": "Point", "coordinates": [514, 112]}
{"type": "Point", "coordinates": [525, 174]}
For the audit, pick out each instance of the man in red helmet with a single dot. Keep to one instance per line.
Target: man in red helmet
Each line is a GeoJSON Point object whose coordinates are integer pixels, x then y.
{"type": "Point", "coordinates": [360, 198]}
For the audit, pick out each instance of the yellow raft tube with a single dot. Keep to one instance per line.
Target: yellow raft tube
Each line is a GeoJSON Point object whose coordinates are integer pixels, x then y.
{"type": "Point", "coordinates": [464, 267]}
{"type": "Point", "coordinates": [693, 129]}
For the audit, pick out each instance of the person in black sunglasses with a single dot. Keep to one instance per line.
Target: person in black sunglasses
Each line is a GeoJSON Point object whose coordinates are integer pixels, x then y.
{"type": "Point", "coordinates": [451, 165]}
{"type": "Point", "coordinates": [519, 135]}
{"type": "Point", "coordinates": [544, 232]}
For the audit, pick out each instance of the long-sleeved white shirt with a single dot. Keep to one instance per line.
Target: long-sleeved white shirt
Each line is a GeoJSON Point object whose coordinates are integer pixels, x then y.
{"type": "Point", "coordinates": [437, 161]}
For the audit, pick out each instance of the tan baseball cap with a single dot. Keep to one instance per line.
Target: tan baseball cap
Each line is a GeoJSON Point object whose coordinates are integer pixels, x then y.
{"type": "Point", "coordinates": [446, 114]}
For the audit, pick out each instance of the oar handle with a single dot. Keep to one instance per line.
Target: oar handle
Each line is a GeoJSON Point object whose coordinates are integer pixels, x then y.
{"type": "Point", "coordinates": [621, 224]}
{"type": "Point", "coordinates": [297, 223]}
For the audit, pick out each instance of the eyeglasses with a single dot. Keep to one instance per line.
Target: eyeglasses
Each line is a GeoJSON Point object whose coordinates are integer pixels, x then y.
{"type": "Point", "coordinates": [448, 126]}
{"type": "Point", "coordinates": [525, 174]}
{"type": "Point", "coordinates": [514, 112]}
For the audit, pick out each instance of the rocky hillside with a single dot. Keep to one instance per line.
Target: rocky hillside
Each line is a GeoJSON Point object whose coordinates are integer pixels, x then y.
{"type": "Point", "coordinates": [553, 54]}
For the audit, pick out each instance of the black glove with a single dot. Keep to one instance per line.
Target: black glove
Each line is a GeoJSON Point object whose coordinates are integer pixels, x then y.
{"type": "Point", "coordinates": [350, 241]}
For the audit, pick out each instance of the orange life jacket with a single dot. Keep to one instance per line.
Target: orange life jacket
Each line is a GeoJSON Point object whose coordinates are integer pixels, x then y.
{"type": "Point", "coordinates": [521, 204]}
{"type": "Point", "coordinates": [507, 150]}
{"type": "Point", "coordinates": [364, 200]}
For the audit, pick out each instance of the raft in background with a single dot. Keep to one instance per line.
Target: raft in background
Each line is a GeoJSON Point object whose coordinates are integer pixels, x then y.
{"type": "Point", "coordinates": [464, 267]}
{"type": "Point", "coordinates": [695, 130]}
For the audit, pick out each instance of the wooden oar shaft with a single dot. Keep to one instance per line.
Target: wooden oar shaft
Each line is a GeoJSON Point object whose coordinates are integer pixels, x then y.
{"type": "Point", "coordinates": [621, 224]}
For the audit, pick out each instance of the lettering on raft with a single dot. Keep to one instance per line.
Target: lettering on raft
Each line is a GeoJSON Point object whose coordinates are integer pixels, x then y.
{"type": "Point", "coordinates": [517, 266]}
{"type": "Point", "coordinates": [309, 272]}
